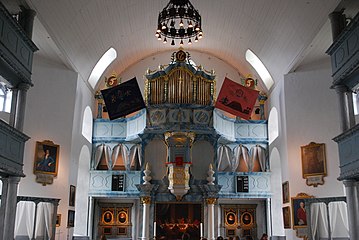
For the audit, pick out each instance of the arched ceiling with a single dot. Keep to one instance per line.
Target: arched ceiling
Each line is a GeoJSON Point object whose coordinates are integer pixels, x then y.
{"type": "Point", "coordinates": [280, 32]}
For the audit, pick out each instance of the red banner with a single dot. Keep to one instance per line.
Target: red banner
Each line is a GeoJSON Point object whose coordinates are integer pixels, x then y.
{"type": "Point", "coordinates": [236, 99]}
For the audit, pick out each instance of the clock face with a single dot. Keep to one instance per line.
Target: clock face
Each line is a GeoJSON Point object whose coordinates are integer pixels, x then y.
{"type": "Point", "coordinates": [180, 56]}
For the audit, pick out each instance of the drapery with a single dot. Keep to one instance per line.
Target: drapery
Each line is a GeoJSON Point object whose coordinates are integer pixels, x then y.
{"type": "Point", "coordinates": [319, 221]}
{"type": "Point", "coordinates": [239, 151]}
{"type": "Point", "coordinates": [100, 149]}
{"type": "Point", "coordinates": [44, 217]}
{"type": "Point", "coordinates": [225, 157]}
{"type": "Point", "coordinates": [24, 220]}
{"type": "Point", "coordinates": [120, 148]}
{"type": "Point", "coordinates": [338, 220]}
{"type": "Point", "coordinates": [258, 152]}
{"type": "Point", "coordinates": [135, 150]}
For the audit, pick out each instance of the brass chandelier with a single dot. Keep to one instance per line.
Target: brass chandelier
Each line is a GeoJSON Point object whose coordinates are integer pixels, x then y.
{"type": "Point", "coordinates": [179, 20]}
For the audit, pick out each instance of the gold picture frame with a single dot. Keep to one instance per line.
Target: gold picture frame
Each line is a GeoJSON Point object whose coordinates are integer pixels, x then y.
{"type": "Point", "coordinates": [285, 192]}
{"type": "Point", "coordinates": [230, 218]}
{"type": "Point", "coordinates": [299, 214]}
{"type": "Point", "coordinates": [122, 216]}
{"type": "Point", "coordinates": [107, 217]}
{"type": "Point", "coordinates": [286, 217]}
{"type": "Point", "coordinates": [314, 165]}
{"type": "Point", "coordinates": [46, 158]}
{"type": "Point", "coordinates": [58, 220]}
{"type": "Point", "coordinates": [246, 220]}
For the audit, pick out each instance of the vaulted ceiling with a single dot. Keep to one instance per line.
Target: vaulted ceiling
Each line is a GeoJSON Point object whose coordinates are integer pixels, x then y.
{"type": "Point", "coordinates": [282, 33]}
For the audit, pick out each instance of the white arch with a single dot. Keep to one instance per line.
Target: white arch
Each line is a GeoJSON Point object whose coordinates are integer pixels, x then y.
{"type": "Point", "coordinates": [273, 125]}
{"type": "Point", "coordinates": [87, 124]}
{"type": "Point", "coordinates": [276, 188]}
{"type": "Point", "coordinates": [82, 189]}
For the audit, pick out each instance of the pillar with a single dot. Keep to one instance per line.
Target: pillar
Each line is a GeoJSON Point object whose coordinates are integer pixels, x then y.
{"type": "Point", "coordinates": [268, 216]}
{"type": "Point", "coordinates": [90, 217]}
{"type": "Point", "coordinates": [352, 194]}
{"type": "Point", "coordinates": [20, 106]}
{"type": "Point", "coordinates": [146, 202]}
{"type": "Point", "coordinates": [54, 216]}
{"type": "Point", "coordinates": [10, 211]}
{"type": "Point", "coordinates": [210, 221]}
{"type": "Point", "coordinates": [338, 23]}
{"type": "Point", "coordinates": [346, 120]}
{"type": "Point", "coordinates": [26, 20]}
{"type": "Point", "coordinates": [5, 184]}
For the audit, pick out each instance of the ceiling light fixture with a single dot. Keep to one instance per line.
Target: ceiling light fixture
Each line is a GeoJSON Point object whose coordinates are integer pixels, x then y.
{"type": "Point", "coordinates": [179, 20]}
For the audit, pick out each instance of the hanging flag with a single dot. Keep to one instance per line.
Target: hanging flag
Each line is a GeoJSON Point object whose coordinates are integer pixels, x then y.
{"type": "Point", "coordinates": [236, 99]}
{"type": "Point", "coordinates": [123, 99]}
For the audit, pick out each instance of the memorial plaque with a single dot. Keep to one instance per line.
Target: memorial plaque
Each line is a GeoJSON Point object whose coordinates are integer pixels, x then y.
{"type": "Point", "coordinates": [118, 182]}
{"type": "Point", "coordinates": [242, 184]}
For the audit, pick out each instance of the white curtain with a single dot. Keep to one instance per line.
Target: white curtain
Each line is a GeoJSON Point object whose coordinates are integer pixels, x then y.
{"type": "Point", "coordinates": [338, 217]}
{"type": "Point", "coordinates": [100, 149]}
{"type": "Point", "coordinates": [225, 157]}
{"type": "Point", "coordinates": [319, 221]}
{"type": "Point", "coordinates": [135, 150]}
{"type": "Point", "coordinates": [24, 220]}
{"type": "Point", "coordinates": [239, 151]}
{"type": "Point", "coordinates": [121, 148]}
{"type": "Point", "coordinates": [258, 152]}
{"type": "Point", "coordinates": [44, 217]}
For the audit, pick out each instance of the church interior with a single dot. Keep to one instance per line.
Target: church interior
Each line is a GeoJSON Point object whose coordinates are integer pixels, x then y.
{"type": "Point", "coordinates": [179, 119]}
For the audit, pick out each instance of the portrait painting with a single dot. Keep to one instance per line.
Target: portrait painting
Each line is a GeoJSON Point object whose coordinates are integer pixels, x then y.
{"type": "Point", "coordinates": [299, 211]}
{"type": "Point", "coordinates": [286, 217]}
{"type": "Point", "coordinates": [285, 192]}
{"type": "Point", "coordinates": [46, 158]}
{"type": "Point", "coordinates": [58, 220]}
{"type": "Point", "coordinates": [313, 160]}
{"type": "Point", "coordinates": [122, 217]}
{"type": "Point", "coordinates": [231, 218]}
{"type": "Point", "coordinates": [107, 217]}
{"type": "Point", "coordinates": [246, 219]}
{"type": "Point", "coordinates": [71, 218]}
{"type": "Point", "coordinates": [72, 195]}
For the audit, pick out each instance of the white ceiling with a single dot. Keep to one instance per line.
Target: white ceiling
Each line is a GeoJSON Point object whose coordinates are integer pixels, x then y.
{"type": "Point", "coordinates": [281, 32]}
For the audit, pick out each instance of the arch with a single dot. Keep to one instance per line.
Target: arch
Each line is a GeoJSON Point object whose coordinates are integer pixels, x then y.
{"type": "Point", "coordinates": [82, 189]}
{"type": "Point", "coordinates": [87, 124]}
{"type": "Point", "coordinates": [273, 125]}
{"type": "Point", "coordinates": [276, 186]}
{"type": "Point", "coordinates": [225, 156]}
{"type": "Point", "coordinates": [241, 159]}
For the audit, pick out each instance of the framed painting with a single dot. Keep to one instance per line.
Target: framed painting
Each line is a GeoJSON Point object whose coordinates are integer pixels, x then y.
{"type": "Point", "coordinates": [230, 218]}
{"type": "Point", "coordinates": [299, 212]}
{"type": "Point", "coordinates": [46, 158]}
{"type": "Point", "coordinates": [314, 163]}
{"type": "Point", "coordinates": [71, 218]}
{"type": "Point", "coordinates": [286, 217]}
{"type": "Point", "coordinates": [285, 192]}
{"type": "Point", "coordinates": [122, 217]}
{"type": "Point", "coordinates": [58, 220]}
{"type": "Point", "coordinates": [107, 217]}
{"type": "Point", "coordinates": [72, 195]}
{"type": "Point", "coordinates": [246, 220]}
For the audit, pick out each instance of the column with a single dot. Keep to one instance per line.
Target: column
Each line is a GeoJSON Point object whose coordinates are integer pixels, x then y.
{"type": "Point", "coordinates": [90, 217]}
{"type": "Point", "coordinates": [20, 106]}
{"type": "Point", "coordinates": [268, 216]}
{"type": "Point", "coordinates": [5, 184]}
{"type": "Point", "coordinates": [10, 211]}
{"type": "Point", "coordinates": [26, 20]}
{"type": "Point", "coordinates": [210, 221]}
{"type": "Point", "coordinates": [343, 107]}
{"type": "Point", "coordinates": [146, 201]}
{"type": "Point", "coordinates": [338, 23]}
{"type": "Point", "coordinates": [352, 194]}
{"type": "Point", "coordinates": [13, 107]}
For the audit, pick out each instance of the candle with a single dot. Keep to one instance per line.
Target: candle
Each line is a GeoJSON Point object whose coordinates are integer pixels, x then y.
{"type": "Point", "coordinates": [201, 229]}
{"type": "Point", "coordinates": [154, 229]}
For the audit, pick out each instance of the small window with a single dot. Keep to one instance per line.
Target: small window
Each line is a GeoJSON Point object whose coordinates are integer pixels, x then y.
{"type": "Point", "coordinates": [5, 98]}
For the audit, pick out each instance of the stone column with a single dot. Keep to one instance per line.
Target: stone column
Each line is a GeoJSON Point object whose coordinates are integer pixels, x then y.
{"type": "Point", "coordinates": [352, 194]}
{"type": "Point", "coordinates": [146, 202]}
{"type": "Point", "coordinates": [268, 215]}
{"type": "Point", "coordinates": [345, 121]}
{"type": "Point", "coordinates": [10, 211]}
{"type": "Point", "coordinates": [90, 217]}
{"type": "Point", "coordinates": [5, 184]}
{"type": "Point", "coordinates": [20, 106]}
{"type": "Point", "coordinates": [210, 221]}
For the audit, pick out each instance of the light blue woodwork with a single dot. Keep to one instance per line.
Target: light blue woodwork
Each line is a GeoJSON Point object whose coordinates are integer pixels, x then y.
{"type": "Point", "coordinates": [348, 143]}
{"type": "Point", "coordinates": [259, 185]}
{"type": "Point", "coordinates": [12, 143]}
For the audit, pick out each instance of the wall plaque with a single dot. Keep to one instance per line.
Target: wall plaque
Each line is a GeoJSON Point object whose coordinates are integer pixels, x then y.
{"type": "Point", "coordinates": [242, 184]}
{"type": "Point", "coordinates": [118, 182]}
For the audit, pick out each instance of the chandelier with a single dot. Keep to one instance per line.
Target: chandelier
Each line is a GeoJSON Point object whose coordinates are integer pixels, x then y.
{"type": "Point", "coordinates": [179, 20]}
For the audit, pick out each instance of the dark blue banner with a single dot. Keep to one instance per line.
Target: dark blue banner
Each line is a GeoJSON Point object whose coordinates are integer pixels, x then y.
{"type": "Point", "coordinates": [123, 99]}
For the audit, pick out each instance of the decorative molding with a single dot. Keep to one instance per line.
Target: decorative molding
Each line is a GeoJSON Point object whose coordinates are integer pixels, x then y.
{"type": "Point", "coordinates": [146, 200]}
{"type": "Point", "coordinates": [211, 200]}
